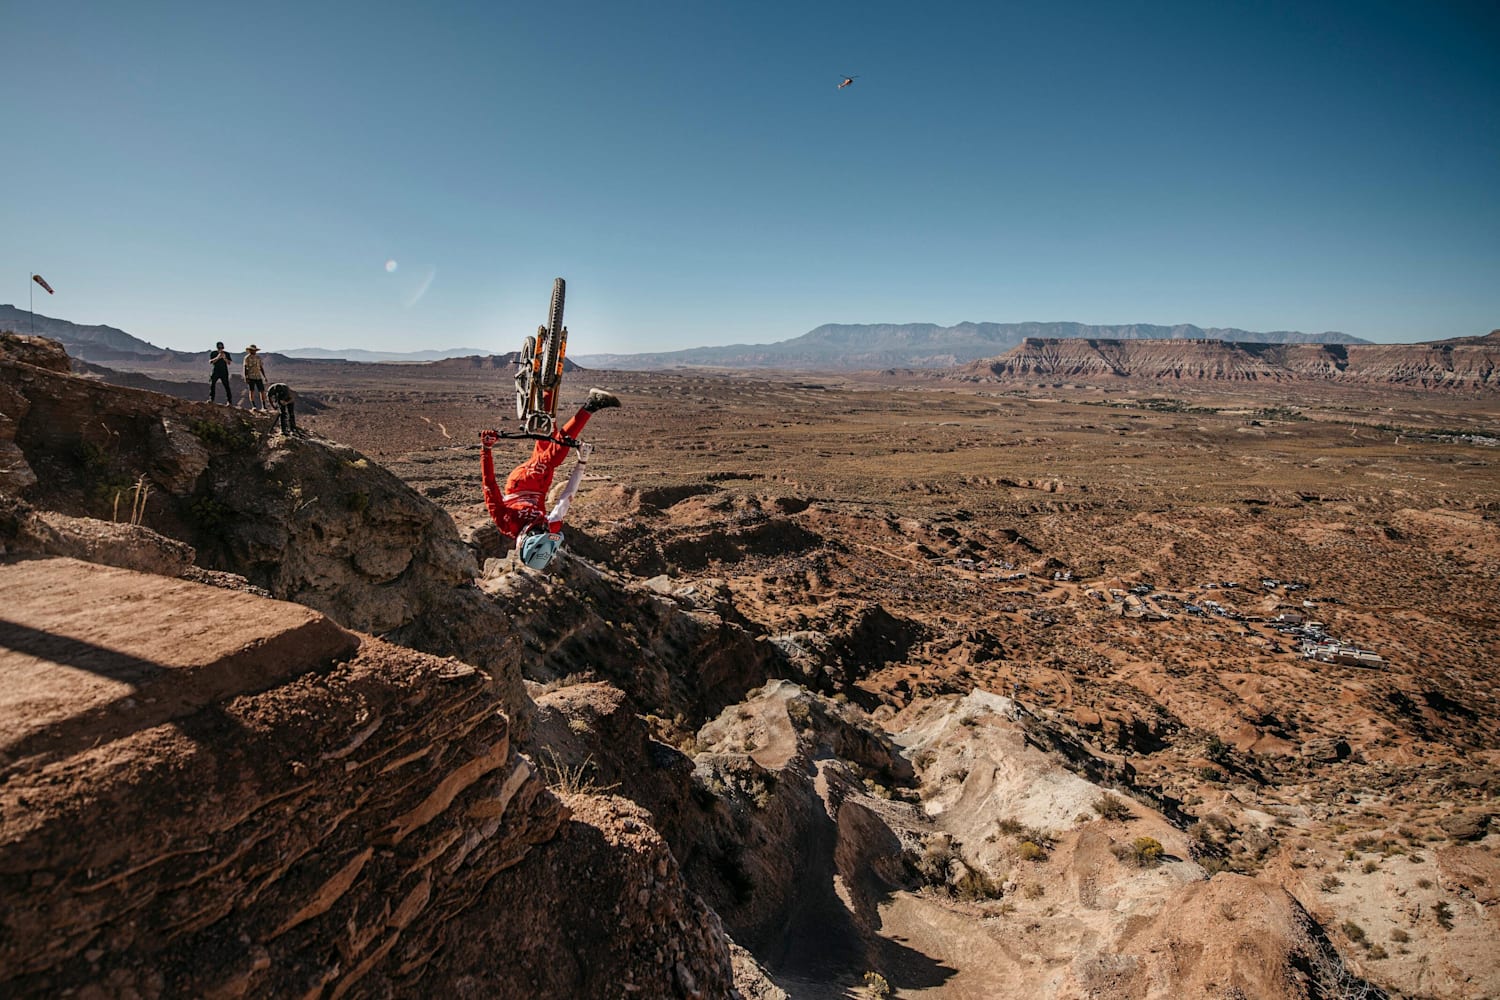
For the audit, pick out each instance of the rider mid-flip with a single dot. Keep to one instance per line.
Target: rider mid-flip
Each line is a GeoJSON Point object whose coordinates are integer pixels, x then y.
{"type": "Point", "coordinates": [519, 511]}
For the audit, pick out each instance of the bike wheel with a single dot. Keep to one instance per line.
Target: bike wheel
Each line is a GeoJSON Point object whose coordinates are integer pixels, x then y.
{"type": "Point", "coordinates": [552, 345]}
{"type": "Point", "coordinates": [524, 377]}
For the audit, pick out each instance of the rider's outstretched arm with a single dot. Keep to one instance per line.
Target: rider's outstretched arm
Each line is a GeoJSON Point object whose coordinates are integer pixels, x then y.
{"type": "Point", "coordinates": [492, 494]}
{"type": "Point", "coordinates": [560, 509]}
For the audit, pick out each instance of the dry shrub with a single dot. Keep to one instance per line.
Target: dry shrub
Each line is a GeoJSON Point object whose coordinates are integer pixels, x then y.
{"type": "Point", "coordinates": [1112, 807]}
{"type": "Point", "coordinates": [579, 779]}
{"type": "Point", "coordinates": [1030, 850]}
{"type": "Point", "coordinates": [932, 866]}
{"type": "Point", "coordinates": [1143, 852]}
{"type": "Point", "coordinates": [974, 886]}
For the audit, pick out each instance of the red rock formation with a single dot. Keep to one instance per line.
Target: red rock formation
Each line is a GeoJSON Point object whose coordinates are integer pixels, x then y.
{"type": "Point", "coordinates": [208, 793]}
{"type": "Point", "coordinates": [1466, 363]}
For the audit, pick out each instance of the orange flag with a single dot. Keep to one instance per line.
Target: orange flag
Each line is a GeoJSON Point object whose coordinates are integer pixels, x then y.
{"type": "Point", "coordinates": [43, 282]}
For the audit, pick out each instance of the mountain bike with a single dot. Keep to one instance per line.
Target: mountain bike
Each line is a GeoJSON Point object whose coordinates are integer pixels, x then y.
{"type": "Point", "coordinates": [539, 370]}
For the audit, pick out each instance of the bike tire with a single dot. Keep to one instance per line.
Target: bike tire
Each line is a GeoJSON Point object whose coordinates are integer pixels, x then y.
{"type": "Point", "coordinates": [524, 378]}
{"type": "Point", "coordinates": [552, 345]}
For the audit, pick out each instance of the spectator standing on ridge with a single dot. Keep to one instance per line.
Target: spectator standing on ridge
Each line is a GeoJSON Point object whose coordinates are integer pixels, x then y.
{"type": "Point", "coordinates": [519, 511]}
{"type": "Point", "coordinates": [286, 402]}
{"type": "Point", "coordinates": [220, 361]}
{"type": "Point", "coordinates": [255, 379]}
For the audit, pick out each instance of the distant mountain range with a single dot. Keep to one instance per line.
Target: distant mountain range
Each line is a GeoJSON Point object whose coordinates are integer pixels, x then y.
{"type": "Point", "coordinates": [1002, 351]}
{"type": "Point", "coordinates": [106, 345]}
{"type": "Point", "coordinates": [72, 334]}
{"type": "Point", "coordinates": [375, 357]}
{"type": "Point", "coordinates": [102, 344]}
{"type": "Point", "coordinates": [855, 346]}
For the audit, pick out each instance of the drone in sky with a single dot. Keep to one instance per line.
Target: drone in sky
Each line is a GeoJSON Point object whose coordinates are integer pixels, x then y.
{"type": "Point", "coordinates": [846, 82]}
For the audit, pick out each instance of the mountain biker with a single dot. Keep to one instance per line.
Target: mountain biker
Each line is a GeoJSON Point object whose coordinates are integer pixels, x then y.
{"type": "Point", "coordinates": [519, 511]}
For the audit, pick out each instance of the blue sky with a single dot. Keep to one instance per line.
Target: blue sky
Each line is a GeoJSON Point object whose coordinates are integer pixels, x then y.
{"type": "Point", "coordinates": [243, 172]}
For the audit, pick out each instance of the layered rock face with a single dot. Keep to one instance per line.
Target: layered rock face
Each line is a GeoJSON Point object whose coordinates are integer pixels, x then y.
{"type": "Point", "coordinates": [1467, 363]}
{"type": "Point", "coordinates": [627, 930]}
{"type": "Point", "coordinates": [208, 793]}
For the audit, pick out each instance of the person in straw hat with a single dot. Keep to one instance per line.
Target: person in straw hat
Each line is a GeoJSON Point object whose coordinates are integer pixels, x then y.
{"type": "Point", "coordinates": [255, 379]}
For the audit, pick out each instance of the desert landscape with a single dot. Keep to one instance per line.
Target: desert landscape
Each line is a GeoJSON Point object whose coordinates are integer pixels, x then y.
{"type": "Point", "coordinates": [1144, 680]}
{"type": "Point", "coordinates": [1035, 533]}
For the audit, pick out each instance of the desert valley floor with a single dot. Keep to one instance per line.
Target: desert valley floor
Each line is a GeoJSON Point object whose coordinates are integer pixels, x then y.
{"type": "Point", "coordinates": [1140, 563]}
{"type": "Point", "coordinates": [1113, 689]}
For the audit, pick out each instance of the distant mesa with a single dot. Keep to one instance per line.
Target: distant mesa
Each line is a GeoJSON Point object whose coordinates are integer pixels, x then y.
{"type": "Point", "coordinates": [485, 361]}
{"type": "Point", "coordinates": [1465, 363]}
{"type": "Point", "coordinates": [375, 357]}
{"type": "Point", "coordinates": [863, 347]}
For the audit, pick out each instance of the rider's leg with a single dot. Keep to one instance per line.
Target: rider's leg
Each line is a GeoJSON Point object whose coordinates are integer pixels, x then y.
{"type": "Point", "coordinates": [535, 474]}
{"type": "Point", "coordinates": [574, 427]}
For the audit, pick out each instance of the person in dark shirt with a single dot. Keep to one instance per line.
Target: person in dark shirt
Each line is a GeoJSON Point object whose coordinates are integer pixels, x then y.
{"type": "Point", "coordinates": [286, 404]}
{"type": "Point", "coordinates": [220, 361]}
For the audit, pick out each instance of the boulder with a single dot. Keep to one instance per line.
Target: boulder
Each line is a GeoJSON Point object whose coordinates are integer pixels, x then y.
{"type": "Point", "coordinates": [1325, 750]}
{"type": "Point", "coordinates": [128, 546]}
{"type": "Point", "coordinates": [305, 520]}
{"type": "Point", "coordinates": [39, 352]}
{"type": "Point", "coordinates": [1470, 825]}
{"type": "Point", "coordinates": [26, 531]}
{"type": "Point", "coordinates": [179, 457]}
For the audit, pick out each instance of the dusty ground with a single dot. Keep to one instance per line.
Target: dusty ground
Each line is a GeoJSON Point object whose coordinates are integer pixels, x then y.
{"type": "Point", "coordinates": [1115, 560]}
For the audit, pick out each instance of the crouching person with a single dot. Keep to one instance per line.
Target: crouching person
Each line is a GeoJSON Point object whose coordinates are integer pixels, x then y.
{"type": "Point", "coordinates": [285, 401]}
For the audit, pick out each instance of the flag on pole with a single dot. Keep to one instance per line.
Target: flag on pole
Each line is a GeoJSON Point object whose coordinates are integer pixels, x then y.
{"type": "Point", "coordinates": [43, 282]}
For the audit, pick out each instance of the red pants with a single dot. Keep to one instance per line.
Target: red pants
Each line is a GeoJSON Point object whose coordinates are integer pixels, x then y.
{"type": "Point", "coordinates": [524, 500]}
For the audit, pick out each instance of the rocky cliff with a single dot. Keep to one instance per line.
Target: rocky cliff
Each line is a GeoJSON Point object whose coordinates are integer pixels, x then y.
{"type": "Point", "coordinates": [205, 791]}
{"type": "Point", "coordinates": [209, 793]}
{"type": "Point", "coordinates": [307, 520]}
{"type": "Point", "coordinates": [1464, 364]}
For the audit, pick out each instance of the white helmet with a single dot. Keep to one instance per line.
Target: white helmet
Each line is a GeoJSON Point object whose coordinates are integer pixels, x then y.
{"type": "Point", "coordinates": [538, 547]}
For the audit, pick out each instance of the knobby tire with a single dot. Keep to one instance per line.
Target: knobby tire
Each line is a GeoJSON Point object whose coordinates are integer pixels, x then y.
{"type": "Point", "coordinates": [552, 345]}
